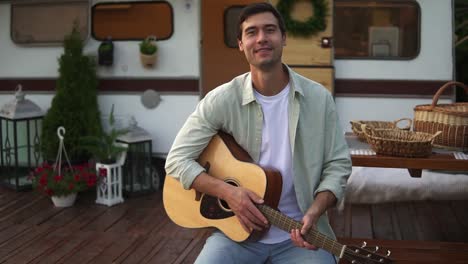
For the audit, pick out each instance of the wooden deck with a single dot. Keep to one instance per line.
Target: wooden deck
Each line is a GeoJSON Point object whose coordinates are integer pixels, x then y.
{"type": "Point", "coordinates": [138, 231]}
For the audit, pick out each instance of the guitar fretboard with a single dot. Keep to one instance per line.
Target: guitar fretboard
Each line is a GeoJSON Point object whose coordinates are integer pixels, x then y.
{"type": "Point", "coordinates": [314, 237]}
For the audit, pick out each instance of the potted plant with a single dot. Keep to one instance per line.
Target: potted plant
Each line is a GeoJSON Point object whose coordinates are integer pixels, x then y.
{"type": "Point", "coordinates": [62, 185]}
{"type": "Point", "coordinates": [74, 105]}
{"type": "Point", "coordinates": [62, 181]}
{"type": "Point", "coordinates": [104, 147]}
{"type": "Point", "coordinates": [110, 157]}
{"type": "Point", "coordinates": [106, 53]}
{"type": "Point", "coordinates": [148, 50]}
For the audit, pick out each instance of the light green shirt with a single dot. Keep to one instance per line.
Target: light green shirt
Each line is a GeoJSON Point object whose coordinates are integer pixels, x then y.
{"type": "Point", "coordinates": [321, 158]}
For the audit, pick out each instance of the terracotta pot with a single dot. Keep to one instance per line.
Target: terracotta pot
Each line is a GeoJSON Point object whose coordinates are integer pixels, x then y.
{"type": "Point", "coordinates": [148, 61]}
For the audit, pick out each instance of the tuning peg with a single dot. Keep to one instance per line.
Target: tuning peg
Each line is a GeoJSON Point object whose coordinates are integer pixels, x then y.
{"type": "Point", "coordinates": [364, 244]}
{"type": "Point", "coordinates": [388, 253]}
{"type": "Point", "coordinates": [376, 249]}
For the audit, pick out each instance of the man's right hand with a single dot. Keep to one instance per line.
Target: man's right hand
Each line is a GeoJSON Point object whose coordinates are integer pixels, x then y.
{"type": "Point", "coordinates": [241, 200]}
{"type": "Point", "coordinates": [242, 203]}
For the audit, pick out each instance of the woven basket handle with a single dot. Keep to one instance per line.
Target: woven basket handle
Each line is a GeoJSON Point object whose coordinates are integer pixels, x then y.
{"type": "Point", "coordinates": [442, 89]}
{"type": "Point", "coordinates": [408, 126]}
{"type": "Point", "coordinates": [364, 130]}
{"type": "Point", "coordinates": [435, 135]}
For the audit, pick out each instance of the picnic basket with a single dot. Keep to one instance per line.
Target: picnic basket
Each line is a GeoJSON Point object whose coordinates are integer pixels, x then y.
{"type": "Point", "coordinates": [451, 119]}
{"type": "Point", "coordinates": [397, 142]}
{"type": "Point", "coordinates": [356, 126]}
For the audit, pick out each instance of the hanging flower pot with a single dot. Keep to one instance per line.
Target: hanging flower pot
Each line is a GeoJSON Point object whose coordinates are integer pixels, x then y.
{"type": "Point", "coordinates": [106, 53]}
{"type": "Point", "coordinates": [148, 51]}
{"type": "Point", "coordinates": [64, 201]}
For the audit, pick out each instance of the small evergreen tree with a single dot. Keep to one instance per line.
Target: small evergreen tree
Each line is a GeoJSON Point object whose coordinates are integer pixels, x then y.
{"type": "Point", "coordinates": [74, 105]}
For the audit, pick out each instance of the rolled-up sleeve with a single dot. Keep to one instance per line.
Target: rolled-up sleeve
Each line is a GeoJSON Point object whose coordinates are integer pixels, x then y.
{"type": "Point", "coordinates": [191, 140]}
{"type": "Point", "coordinates": [337, 162]}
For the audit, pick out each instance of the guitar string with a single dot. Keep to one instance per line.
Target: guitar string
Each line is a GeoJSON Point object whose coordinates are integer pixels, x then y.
{"type": "Point", "coordinates": [327, 243]}
{"type": "Point", "coordinates": [288, 223]}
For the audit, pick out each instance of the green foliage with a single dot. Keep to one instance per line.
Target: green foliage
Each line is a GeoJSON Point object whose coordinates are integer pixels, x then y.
{"type": "Point", "coordinates": [74, 105]}
{"type": "Point", "coordinates": [105, 47]}
{"type": "Point", "coordinates": [148, 47]}
{"type": "Point", "coordinates": [312, 26]}
{"type": "Point", "coordinates": [104, 147]}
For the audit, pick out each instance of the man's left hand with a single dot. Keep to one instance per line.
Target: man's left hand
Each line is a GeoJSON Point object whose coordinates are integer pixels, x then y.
{"type": "Point", "coordinates": [323, 201]}
{"type": "Point", "coordinates": [309, 221]}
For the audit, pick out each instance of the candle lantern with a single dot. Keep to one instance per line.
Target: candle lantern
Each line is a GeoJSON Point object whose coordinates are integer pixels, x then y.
{"type": "Point", "coordinates": [20, 128]}
{"type": "Point", "coordinates": [137, 171]}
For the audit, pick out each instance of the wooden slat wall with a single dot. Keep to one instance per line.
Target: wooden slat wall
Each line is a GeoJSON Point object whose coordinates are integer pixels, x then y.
{"type": "Point", "coordinates": [324, 76]}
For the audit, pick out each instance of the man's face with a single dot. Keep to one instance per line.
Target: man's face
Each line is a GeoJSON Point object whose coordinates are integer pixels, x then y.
{"type": "Point", "coordinates": [262, 41]}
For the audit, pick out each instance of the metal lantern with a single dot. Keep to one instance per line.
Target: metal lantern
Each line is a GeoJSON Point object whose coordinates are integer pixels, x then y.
{"type": "Point", "coordinates": [137, 171]}
{"type": "Point", "coordinates": [20, 127]}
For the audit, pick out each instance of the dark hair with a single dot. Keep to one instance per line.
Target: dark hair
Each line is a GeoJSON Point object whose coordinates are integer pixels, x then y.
{"type": "Point", "coordinates": [257, 8]}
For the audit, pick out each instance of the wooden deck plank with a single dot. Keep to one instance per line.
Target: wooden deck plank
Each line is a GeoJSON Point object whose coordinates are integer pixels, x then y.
{"type": "Point", "coordinates": [382, 221]}
{"type": "Point", "coordinates": [460, 209]}
{"type": "Point", "coordinates": [451, 229]}
{"type": "Point", "coordinates": [146, 245]}
{"type": "Point", "coordinates": [42, 244]}
{"type": "Point", "coordinates": [10, 232]}
{"type": "Point", "coordinates": [361, 221]}
{"type": "Point", "coordinates": [22, 241]}
{"type": "Point", "coordinates": [115, 249]}
{"type": "Point", "coordinates": [337, 221]}
{"type": "Point", "coordinates": [96, 244]}
{"type": "Point", "coordinates": [405, 215]}
{"type": "Point", "coordinates": [65, 249]}
{"type": "Point", "coordinates": [30, 211]}
{"type": "Point", "coordinates": [426, 224]}
{"type": "Point", "coordinates": [139, 231]}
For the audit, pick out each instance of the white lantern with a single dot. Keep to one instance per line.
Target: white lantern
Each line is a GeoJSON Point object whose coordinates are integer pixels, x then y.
{"type": "Point", "coordinates": [109, 188]}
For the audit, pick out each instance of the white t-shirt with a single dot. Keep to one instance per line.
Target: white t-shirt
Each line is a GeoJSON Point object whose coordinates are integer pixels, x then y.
{"type": "Point", "coordinates": [276, 153]}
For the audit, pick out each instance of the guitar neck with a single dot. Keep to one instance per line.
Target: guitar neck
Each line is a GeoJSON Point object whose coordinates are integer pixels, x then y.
{"type": "Point", "coordinates": [314, 237]}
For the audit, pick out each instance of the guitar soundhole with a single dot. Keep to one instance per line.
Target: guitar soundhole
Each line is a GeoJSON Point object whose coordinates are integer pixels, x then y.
{"type": "Point", "coordinates": [223, 204]}
{"type": "Point", "coordinates": [214, 208]}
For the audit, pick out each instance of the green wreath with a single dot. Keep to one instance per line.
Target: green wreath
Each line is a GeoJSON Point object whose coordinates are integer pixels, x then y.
{"type": "Point", "coordinates": [312, 26]}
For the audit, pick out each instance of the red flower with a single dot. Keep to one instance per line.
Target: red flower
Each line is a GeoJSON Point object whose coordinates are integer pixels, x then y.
{"type": "Point", "coordinates": [102, 172]}
{"type": "Point", "coordinates": [43, 180]}
{"type": "Point", "coordinates": [48, 180]}
{"type": "Point", "coordinates": [58, 178]}
{"type": "Point", "coordinates": [91, 182]}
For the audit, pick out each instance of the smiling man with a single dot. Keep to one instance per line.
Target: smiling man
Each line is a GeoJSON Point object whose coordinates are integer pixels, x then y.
{"type": "Point", "coordinates": [284, 121]}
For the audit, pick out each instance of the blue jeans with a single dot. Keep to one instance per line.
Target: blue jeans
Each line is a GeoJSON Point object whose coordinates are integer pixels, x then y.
{"type": "Point", "coordinates": [220, 249]}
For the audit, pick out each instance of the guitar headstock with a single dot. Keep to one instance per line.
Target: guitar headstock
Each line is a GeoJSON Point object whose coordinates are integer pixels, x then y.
{"type": "Point", "coordinates": [366, 255]}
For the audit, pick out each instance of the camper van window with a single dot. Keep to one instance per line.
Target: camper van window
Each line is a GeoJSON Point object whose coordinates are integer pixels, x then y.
{"type": "Point", "coordinates": [231, 15]}
{"type": "Point", "coordinates": [132, 20]}
{"type": "Point", "coordinates": [366, 29]}
{"type": "Point", "coordinates": [29, 19]}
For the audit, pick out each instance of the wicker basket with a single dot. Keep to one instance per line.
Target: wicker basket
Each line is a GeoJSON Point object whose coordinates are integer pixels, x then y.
{"type": "Point", "coordinates": [451, 119]}
{"type": "Point", "coordinates": [396, 142]}
{"type": "Point", "coordinates": [357, 130]}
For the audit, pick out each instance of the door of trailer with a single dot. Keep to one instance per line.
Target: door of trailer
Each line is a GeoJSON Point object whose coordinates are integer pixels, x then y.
{"type": "Point", "coordinates": [221, 59]}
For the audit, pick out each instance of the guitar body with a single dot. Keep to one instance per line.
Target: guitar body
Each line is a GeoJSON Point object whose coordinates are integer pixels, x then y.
{"type": "Point", "coordinates": [227, 161]}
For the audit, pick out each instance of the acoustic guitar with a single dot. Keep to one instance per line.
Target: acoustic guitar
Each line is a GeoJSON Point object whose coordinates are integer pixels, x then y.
{"type": "Point", "coordinates": [224, 159]}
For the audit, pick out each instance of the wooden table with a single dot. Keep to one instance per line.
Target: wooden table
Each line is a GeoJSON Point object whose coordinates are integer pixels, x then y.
{"type": "Point", "coordinates": [416, 252]}
{"type": "Point", "coordinates": [439, 160]}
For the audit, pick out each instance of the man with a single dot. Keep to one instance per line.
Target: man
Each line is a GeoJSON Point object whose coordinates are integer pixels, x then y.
{"type": "Point", "coordinates": [282, 120]}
